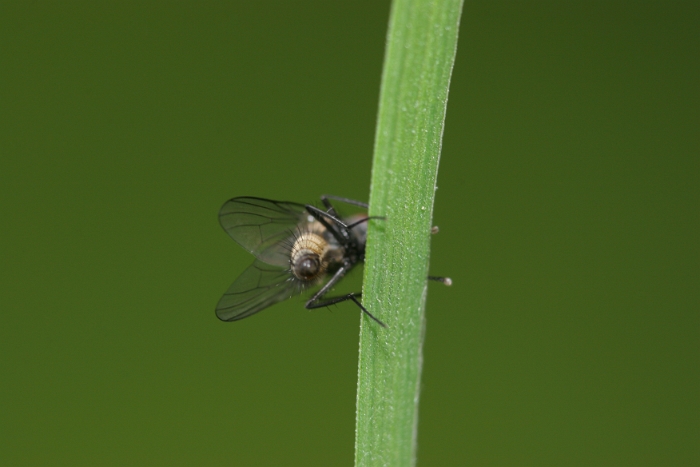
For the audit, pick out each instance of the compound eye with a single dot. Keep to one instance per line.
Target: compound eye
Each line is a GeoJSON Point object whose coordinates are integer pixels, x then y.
{"type": "Point", "coordinates": [307, 267]}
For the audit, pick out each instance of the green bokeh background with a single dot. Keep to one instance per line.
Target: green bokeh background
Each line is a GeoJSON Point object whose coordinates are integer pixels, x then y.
{"type": "Point", "coordinates": [568, 204]}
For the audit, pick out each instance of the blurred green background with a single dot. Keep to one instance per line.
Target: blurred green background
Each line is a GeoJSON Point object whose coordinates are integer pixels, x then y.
{"type": "Point", "coordinates": [568, 204]}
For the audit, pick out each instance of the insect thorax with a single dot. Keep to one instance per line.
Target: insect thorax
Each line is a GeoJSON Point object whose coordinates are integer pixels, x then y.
{"type": "Point", "coordinates": [311, 255]}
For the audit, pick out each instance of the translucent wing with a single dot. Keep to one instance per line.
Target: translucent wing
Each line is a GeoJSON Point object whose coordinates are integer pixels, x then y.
{"type": "Point", "coordinates": [260, 286]}
{"type": "Point", "coordinates": [263, 226]}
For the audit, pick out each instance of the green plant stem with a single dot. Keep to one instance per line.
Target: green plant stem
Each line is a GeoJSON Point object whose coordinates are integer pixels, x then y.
{"type": "Point", "coordinates": [420, 53]}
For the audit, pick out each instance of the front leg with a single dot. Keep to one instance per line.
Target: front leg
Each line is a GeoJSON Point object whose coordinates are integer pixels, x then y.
{"type": "Point", "coordinates": [321, 216]}
{"type": "Point", "coordinates": [325, 200]}
{"type": "Point", "coordinates": [320, 213]}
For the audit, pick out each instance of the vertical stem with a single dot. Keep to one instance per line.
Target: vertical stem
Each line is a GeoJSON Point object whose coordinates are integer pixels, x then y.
{"type": "Point", "coordinates": [420, 53]}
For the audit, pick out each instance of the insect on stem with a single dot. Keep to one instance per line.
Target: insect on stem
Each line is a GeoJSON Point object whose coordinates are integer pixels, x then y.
{"type": "Point", "coordinates": [296, 248]}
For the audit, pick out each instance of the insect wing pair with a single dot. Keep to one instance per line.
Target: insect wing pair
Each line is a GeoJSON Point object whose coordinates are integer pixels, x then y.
{"type": "Point", "coordinates": [296, 246]}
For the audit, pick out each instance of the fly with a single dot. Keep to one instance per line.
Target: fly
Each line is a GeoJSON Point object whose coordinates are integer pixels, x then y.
{"type": "Point", "coordinates": [296, 246]}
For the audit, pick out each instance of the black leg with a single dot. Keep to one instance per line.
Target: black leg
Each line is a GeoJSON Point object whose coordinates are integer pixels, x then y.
{"type": "Point", "coordinates": [325, 198]}
{"type": "Point", "coordinates": [329, 207]}
{"type": "Point", "coordinates": [334, 300]}
{"type": "Point", "coordinates": [444, 280]}
{"type": "Point", "coordinates": [320, 215]}
{"type": "Point", "coordinates": [352, 297]}
{"type": "Point", "coordinates": [332, 214]}
{"type": "Point", "coordinates": [350, 226]}
{"type": "Point", "coordinates": [317, 300]}
{"type": "Point", "coordinates": [334, 280]}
